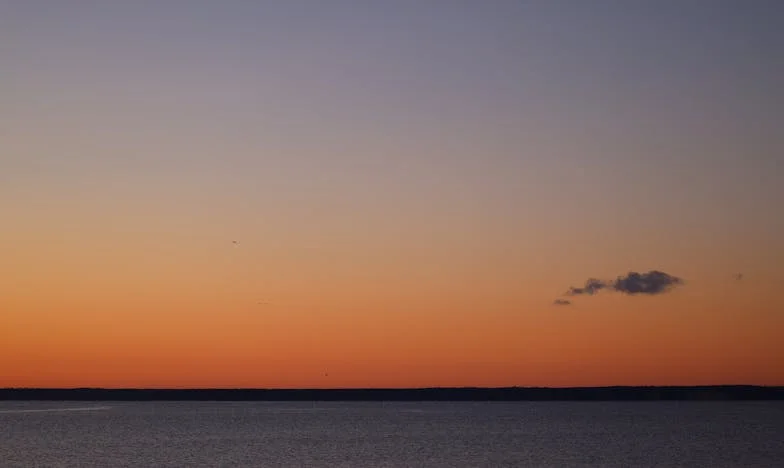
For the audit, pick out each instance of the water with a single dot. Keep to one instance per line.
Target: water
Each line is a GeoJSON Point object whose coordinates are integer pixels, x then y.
{"type": "Point", "coordinates": [273, 434]}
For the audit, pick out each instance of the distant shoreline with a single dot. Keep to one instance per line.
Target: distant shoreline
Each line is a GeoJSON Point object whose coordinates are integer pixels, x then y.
{"type": "Point", "coordinates": [615, 393]}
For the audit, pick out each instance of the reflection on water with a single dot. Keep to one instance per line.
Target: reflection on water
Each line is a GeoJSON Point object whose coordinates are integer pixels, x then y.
{"type": "Point", "coordinates": [54, 410]}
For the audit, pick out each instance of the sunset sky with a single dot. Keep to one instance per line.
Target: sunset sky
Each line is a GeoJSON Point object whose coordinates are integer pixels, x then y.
{"type": "Point", "coordinates": [410, 185]}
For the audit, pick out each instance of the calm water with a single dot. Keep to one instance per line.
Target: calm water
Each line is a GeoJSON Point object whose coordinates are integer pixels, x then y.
{"type": "Point", "coordinates": [558, 434]}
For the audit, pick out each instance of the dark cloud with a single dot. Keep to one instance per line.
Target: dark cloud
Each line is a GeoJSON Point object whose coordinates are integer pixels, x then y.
{"type": "Point", "coordinates": [592, 286]}
{"type": "Point", "coordinates": [651, 283]}
{"type": "Point", "coordinates": [561, 302]}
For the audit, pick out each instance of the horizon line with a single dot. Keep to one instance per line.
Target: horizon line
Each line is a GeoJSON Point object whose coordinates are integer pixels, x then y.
{"type": "Point", "coordinates": [467, 387]}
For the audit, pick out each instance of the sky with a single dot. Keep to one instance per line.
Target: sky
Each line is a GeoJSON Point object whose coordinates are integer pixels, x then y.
{"type": "Point", "coordinates": [391, 194]}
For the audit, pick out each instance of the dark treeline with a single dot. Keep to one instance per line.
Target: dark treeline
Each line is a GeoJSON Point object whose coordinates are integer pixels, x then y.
{"type": "Point", "coordinates": [729, 392]}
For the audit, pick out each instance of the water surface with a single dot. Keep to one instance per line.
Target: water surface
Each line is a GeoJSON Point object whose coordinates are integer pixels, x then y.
{"type": "Point", "coordinates": [437, 434]}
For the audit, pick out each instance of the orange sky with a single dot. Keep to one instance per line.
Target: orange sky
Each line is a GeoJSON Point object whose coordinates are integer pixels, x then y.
{"type": "Point", "coordinates": [81, 314]}
{"type": "Point", "coordinates": [411, 187]}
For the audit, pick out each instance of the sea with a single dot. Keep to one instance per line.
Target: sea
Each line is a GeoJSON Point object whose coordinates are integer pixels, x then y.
{"type": "Point", "coordinates": [391, 434]}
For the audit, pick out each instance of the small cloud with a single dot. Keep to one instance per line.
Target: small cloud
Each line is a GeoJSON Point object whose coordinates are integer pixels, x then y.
{"type": "Point", "coordinates": [653, 282]}
{"type": "Point", "coordinates": [561, 302]}
{"type": "Point", "coordinates": [591, 287]}
{"type": "Point", "coordinates": [650, 283]}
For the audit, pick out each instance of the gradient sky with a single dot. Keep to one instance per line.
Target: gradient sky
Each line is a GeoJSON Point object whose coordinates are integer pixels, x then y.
{"type": "Point", "coordinates": [412, 183]}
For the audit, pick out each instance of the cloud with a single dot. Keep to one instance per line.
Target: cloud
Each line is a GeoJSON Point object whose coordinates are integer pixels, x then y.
{"type": "Point", "coordinates": [650, 283]}
{"type": "Point", "coordinates": [653, 282]}
{"type": "Point", "coordinates": [592, 286]}
{"type": "Point", "coordinates": [561, 302]}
